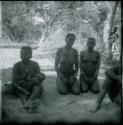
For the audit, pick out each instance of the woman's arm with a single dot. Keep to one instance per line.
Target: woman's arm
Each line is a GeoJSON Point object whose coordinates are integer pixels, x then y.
{"type": "Point", "coordinates": [99, 100]}
{"type": "Point", "coordinates": [39, 76]}
{"type": "Point", "coordinates": [81, 63]}
{"type": "Point", "coordinates": [97, 68]}
{"type": "Point", "coordinates": [76, 64]}
{"type": "Point", "coordinates": [112, 73]}
{"type": "Point", "coordinates": [16, 81]}
{"type": "Point", "coordinates": [98, 64]}
{"type": "Point", "coordinates": [81, 67]}
{"type": "Point", "coordinates": [57, 60]}
{"type": "Point", "coordinates": [104, 89]}
{"type": "Point", "coordinates": [15, 75]}
{"type": "Point", "coordinates": [21, 89]}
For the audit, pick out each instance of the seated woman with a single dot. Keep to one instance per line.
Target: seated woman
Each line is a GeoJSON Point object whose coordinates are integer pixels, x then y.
{"type": "Point", "coordinates": [112, 85]}
{"type": "Point", "coordinates": [66, 66]}
{"type": "Point", "coordinates": [89, 68]}
{"type": "Point", "coordinates": [26, 79]}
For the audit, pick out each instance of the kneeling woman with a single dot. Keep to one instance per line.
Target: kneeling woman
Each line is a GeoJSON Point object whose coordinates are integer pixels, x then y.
{"type": "Point", "coordinates": [66, 66]}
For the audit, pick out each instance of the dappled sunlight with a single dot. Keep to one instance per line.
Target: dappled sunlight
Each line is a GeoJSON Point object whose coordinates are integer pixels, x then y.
{"type": "Point", "coordinates": [54, 107]}
{"type": "Point", "coordinates": [43, 25]}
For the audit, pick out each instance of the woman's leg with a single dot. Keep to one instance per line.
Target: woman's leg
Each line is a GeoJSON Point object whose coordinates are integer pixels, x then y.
{"type": "Point", "coordinates": [8, 90]}
{"type": "Point", "coordinates": [75, 89]}
{"type": "Point", "coordinates": [113, 91]}
{"type": "Point", "coordinates": [61, 86]}
{"type": "Point", "coordinates": [95, 86]}
{"type": "Point", "coordinates": [36, 93]}
{"type": "Point", "coordinates": [83, 85]}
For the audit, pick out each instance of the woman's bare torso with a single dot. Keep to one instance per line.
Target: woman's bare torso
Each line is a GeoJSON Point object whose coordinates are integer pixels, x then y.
{"type": "Point", "coordinates": [67, 61]}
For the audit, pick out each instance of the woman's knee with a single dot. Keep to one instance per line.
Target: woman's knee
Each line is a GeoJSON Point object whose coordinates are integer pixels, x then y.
{"type": "Point", "coordinates": [8, 90]}
{"type": "Point", "coordinates": [76, 88]}
{"type": "Point", "coordinates": [62, 88]}
{"type": "Point", "coordinates": [76, 91]}
{"type": "Point", "coordinates": [63, 92]}
{"type": "Point", "coordinates": [107, 79]}
{"type": "Point", "coordinates": [84, 87]}
{"type": "Point", "coordinates": [95, 90]}
{"type": "Point", "coordinates": [95, 87]}
{"type": "Point", "coordinates": [38, 87]}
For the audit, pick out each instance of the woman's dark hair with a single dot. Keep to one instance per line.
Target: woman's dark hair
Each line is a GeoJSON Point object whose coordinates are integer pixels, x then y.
{"type": "Point", "coordinates": [91, 40]}
{"type": "Point", "coordinates": [70, 35]}
{"type": "Point", "coordinates": [27, 48]}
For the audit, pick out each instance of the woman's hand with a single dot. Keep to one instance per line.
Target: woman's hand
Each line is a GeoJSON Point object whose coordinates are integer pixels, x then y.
{"type": "Point", "coordinates": [23, 90]}
{"type": "Point", "coordinates": [34, 79]}
{"type": "Point", "coordinates": [93, 78]}
{"type": "Point", "coordinates": [61, 76]}
{"type": "Point", "coordinates": [72, 79]}
{"type": "Point", "coordinates": [90, 79]}
{"type": "Point", "coordinates": [65, 80]}
{"type": "Point", "coordinates": [75, 75]}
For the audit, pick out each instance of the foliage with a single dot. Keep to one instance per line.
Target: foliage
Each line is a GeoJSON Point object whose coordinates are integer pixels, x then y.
{"type": "Point", "coordinates": [36, 19]}
{"type": "Point", "coordinates": [17, 18]}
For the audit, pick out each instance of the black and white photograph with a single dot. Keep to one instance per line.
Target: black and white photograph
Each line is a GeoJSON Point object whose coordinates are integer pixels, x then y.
{"type": "Point", "coordinates": [61, 61]}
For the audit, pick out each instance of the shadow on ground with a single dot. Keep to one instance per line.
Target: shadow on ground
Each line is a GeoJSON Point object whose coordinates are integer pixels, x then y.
{"type": "Point", "coordinates": [55, 107]}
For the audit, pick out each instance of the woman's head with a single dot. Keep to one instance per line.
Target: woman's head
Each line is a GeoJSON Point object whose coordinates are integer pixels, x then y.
{"type": "Point", "coordinates": [91, 43]}
{"type": "Point", "coordinates": [70, 38]}
{"type": "Point", "coordinates": [26, 53]}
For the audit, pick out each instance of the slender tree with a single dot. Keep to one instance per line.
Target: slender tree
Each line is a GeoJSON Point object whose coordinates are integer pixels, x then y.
{"type": "Point", "coordinates": [108, 26]}
{"type": "Point", "coordinates": [0, 21]}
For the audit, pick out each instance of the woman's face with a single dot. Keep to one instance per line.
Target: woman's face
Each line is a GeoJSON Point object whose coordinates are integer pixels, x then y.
{"type": "Point", "coordinates": [70, 41]}
{"type": "Point", "coordinates": [90, 45]}
{"type": "Point", "coordinates": [25, 55]}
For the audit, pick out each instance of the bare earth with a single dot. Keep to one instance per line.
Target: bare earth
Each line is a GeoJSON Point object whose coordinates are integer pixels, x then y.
{"type": "Point", "coordinates": [53, 106]}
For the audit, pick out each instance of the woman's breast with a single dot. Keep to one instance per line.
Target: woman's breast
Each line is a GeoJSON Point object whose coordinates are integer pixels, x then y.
{"type": "Point", "coordinates": [67, 64]}
{"type": "Point", "coordinates": [67, 59]}
{"type": "Point", "coordinates": [89, 65]}
{"type": "Point", "coordinates": [90, 59]}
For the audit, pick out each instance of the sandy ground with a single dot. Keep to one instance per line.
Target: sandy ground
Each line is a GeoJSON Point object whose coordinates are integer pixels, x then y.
{"type": "Point", "coordinates": [53, 106]}
{"type": "Point", "coordinates": [0, 94]}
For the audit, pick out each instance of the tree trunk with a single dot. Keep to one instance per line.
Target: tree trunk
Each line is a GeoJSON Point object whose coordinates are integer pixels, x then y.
{"type": "Point", "coordinates": [48, 26]}
{"type": "Point", "coordinates": [0, 21]}
{"type": "Point", "coordinates": [0, 70]}
{"type": "Point", "coordinates": [108, 24]}
{"type": "Point", "coordinates": [113, 14]}
{"type": "Point", "coordinates": [43, 37]}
